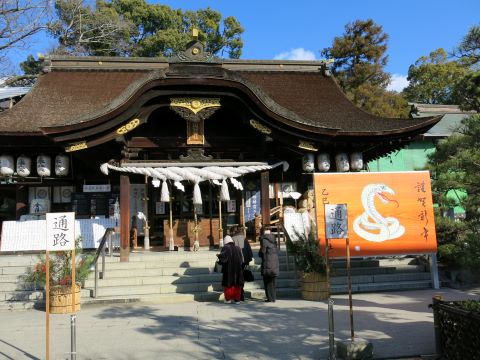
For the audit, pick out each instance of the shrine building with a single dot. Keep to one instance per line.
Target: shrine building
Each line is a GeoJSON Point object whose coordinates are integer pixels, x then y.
{"type": "Point", "coordinates": [182, 148]}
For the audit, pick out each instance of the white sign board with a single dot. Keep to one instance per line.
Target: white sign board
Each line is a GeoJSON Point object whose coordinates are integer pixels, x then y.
{"type": "Point", "coordinates": [31, 234]}
{"type": "Point", "coordinates": [97, 188]}
{"type": "Point", "coordinates": [60, 231]}
{"type": "Point", "coordinates": [336, 221]}
{"type": "Point", "coordinates": [297, 225]}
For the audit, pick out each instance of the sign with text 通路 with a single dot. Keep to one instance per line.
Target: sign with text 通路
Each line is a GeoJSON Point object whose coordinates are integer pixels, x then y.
{"type": "Point", "coordinates": [60, 231]}
{"type": "Point", "coordinates": [388, 213]}
{"type": "Point", "coordinates": [336, 221]}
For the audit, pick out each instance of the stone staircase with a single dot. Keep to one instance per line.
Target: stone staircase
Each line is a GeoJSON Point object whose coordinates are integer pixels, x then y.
{"type": "Point", "coordinates": [15, 293]}
{"type": "Point", "coordinates": [187, 276]}
{"type": "Point", "coordinates": [377, 275]}
{"type": "Point", "coordinates": [176, 277]}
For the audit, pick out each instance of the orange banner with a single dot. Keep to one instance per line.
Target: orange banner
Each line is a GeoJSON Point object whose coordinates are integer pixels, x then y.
{"type": "Point", "coordinates": [388, 213]}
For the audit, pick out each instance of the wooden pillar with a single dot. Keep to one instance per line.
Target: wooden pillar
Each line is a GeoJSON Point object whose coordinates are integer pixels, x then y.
{"type": "Point", "coordinates": [265, 199]}
{"type": "Point", "coordinates": [22, 201]}
{"type": "Point", "coordinates": [124, 218]}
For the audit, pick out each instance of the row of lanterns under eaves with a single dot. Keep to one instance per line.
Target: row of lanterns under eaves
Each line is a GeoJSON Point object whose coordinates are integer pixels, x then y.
{"type": "Point", "coordinates": [23, 166]}
{"type": "Point", "coordinates": [343, 162]}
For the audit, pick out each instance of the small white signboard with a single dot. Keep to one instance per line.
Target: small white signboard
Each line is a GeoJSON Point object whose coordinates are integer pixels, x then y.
{"type": "Point", "coordinates": [60, 231]}
{"type": "Point", "coordinates": [336, 221]}
{"type": "Point", "coordinates": [231, 206]}
{"type": "Point", "coordinates": [97, 188]}
{"type": "Point", "coordinates": [297, 225]}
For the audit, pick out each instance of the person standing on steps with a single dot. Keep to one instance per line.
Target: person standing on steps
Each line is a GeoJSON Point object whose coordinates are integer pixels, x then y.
{"type": "Point", "coordinates": [240, 240]}
{"type": "Point", "coordinates": [231, 259]}
{"type": "Point", "coordinates": [270, 265]}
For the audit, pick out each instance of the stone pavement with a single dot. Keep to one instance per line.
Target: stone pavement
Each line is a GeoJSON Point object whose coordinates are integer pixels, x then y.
{"type": "Point", "coordinates": [399, 324]}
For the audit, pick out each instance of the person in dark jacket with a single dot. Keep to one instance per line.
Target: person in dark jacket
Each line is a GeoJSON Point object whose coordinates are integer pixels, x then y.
{"type": "Point", "coordinates": [231, 259]}
{"type": "Point", "coordinates": [240, 240]}
{"type": "Point", "coordinates": [270, 265]}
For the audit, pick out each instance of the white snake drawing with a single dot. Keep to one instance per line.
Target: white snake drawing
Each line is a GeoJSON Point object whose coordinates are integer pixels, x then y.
{"type": "Point", "coordinates": [372, 226]}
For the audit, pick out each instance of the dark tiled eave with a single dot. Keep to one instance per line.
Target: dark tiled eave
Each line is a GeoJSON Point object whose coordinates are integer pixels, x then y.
{"type": "Point", "coordinates": [81, 93]}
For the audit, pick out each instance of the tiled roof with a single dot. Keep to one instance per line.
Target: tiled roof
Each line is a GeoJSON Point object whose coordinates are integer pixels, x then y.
{"type": "Point", "coordinates": [300, 96]}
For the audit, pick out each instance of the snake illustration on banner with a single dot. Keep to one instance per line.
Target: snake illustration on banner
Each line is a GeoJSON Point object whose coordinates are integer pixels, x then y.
{"type": "Point", "coordinates": [371, 225]}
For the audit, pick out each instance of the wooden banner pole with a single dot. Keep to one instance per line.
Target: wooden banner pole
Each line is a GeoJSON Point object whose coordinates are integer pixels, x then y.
{"type": "Point", "coordinates": [47, 305]}
{"type": "Point", "coordinates": [350, 288]}
{"type": "Point", "coordinates": [171, 242]}
{"type": "Point", "coordinates": [327, 264]}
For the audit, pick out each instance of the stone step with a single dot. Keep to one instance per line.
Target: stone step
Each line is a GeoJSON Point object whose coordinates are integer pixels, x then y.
{"type": "Point", "coordinates": [17, 260]}
{"type": "Point", "coordinates": [15, 286]}
{"type": "Point", "coordinates": [167, 279]}
{"type": "Point", "coordinates": [18, 305]}
{"type": "Point", "coordinates": [255, 294]}
{"type": "Point", "coordinates": [20, 295]}
{"type": "Point", "coordinates": [354, 263]}
{"type": "Point", "coordinates": [382, 278]}
{"type": "Point", "coordinates": [182, 288]}
{"type": "Point", "coordinates": [162, 262]}
{"type": "Point", "coordinates": [172, 271]}
{"type": "Point", "coordinates": [382, 286]}
{"type": "Point", "coordinates": [12, 278]}
{"type": "Point", "coordinates": [14, 270]}
{"type": "Point", "coordinates": [380, 270]}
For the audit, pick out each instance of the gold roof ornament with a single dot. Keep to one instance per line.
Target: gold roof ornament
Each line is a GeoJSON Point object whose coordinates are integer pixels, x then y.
{"type": "Point", "coordinates": [194, 33]}
{"type": "Point", "coordinates": [195, 105]}
{"type": "Point", "coordinates": [307, 146]}
{"type": "Point", "coordinates": [77, 146]}
{"type": "Point", "coordinates": [261, 128]}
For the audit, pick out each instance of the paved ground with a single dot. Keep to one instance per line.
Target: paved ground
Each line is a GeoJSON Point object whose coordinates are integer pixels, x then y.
{"type": "Point", "coordinates": [399, 324]}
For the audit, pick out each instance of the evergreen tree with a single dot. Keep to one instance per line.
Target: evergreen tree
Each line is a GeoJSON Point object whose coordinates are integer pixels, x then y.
{"type": "Point", "coordinates": [433, 79]}
{"type": "Point", "coordinates": [136, 28]}
{"type": "Point", "coordinates": [456, 166]}
{"type": "Point", "coordinates": [359, 59]}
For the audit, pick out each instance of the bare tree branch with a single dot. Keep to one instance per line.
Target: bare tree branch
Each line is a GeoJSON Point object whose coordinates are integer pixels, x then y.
{"type": "Point", "coordinates": [20, 19]}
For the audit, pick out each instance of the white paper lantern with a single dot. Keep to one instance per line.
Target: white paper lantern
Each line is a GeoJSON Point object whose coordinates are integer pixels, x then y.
{"type": "Point", "coordinates": [61, 165]}
{"type": "Point", "coordinates": [341, 161]}
{"type": "Point", "coordinates": [323, 162]}
{"type": "Point", "coordinates": [44, 164]}
{"type": "Point", "coordinates": [356, 161]}
{"type": "Point", "coordinates": [24, 165]}
{"type": "Point", "coordinates": [6, 165]}
{"type": "Point", "coordinates": [308, 163]}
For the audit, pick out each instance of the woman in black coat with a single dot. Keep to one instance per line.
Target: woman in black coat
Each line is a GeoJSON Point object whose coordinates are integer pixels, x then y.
{"type": "Point", "coordinates": [270, 265]}
{"type": "Point", "coordinates": [232, 270]}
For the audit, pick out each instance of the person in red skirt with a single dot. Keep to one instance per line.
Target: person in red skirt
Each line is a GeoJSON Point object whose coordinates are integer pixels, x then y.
{"type": "Point", "coordinates": [231, 259]}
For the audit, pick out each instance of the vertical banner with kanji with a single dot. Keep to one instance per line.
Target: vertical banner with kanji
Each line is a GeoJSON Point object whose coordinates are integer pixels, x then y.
{"type": "Point", "coordinates": [388, 213]}
{"type": "Point", "coordinates": [60, 231]}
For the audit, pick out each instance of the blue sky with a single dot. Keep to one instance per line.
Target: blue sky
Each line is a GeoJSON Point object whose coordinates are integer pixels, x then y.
{"type": "Point", "coordinates": [300, 29]}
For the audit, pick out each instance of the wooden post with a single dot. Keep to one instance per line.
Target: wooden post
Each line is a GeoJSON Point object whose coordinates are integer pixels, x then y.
{"type": "Point", "coordinates": [171, 242]}
{"type": "Point", "coordinates": [220, 223]}
{"type": "Point", "coordinates": [242, 214]}
{"type": "Point", "coordinates": [124, 218]}
{"type": "Point", "coordinates": [265, 198]}
{"type": "Point", "coordinates": [350, 288]}
{"type": "Point", "coordinates": [195, 223]}
{"type": "Point", "coordinates": [146, 228]}
{"type": "Point", "coordinates": [47, 305]}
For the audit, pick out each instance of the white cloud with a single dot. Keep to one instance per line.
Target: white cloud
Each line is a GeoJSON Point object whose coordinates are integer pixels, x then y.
{"type": "Point", "coordinates": [397, 83]}
{"type": "Point", "coordinates": [296, 54]}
